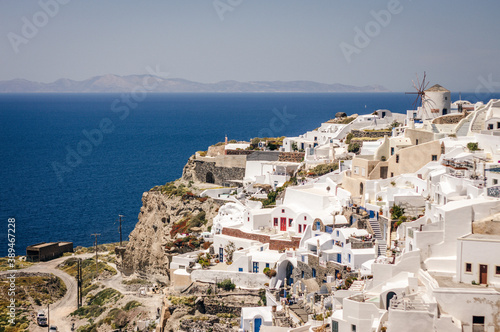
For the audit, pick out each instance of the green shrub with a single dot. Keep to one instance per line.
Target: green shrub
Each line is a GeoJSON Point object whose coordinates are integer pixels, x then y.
{"type": "Point", "coordinates": [131, 305]}
{"type": "Point", "coordinates": [472, 146]}
{"type": "Point", "coordinates": [348, 138]}
{"type": "Point", "coordinates": [397, 212]}
{"type": "Point", "coordinates": [354, 147]}
{"type": "Point", "coordinates": [325, 169]}
{"type": "Point", "coordinates": [346, 120]}
{"type": "Point", "coordinates": [226, 284]}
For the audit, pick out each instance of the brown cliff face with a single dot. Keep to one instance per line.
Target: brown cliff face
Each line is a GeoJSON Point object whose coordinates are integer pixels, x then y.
{"type": "Point", "coordinates": [145, 253]}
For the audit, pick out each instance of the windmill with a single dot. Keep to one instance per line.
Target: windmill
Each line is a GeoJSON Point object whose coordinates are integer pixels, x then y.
{"type": "Point", "coordinates": [420, 87]}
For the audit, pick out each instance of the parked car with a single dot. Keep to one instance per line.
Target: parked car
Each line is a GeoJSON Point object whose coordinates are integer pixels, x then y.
{"type": "Point", "coordinates": [41, 319]}
{"type": "Point", "coordinates": [53, 328]}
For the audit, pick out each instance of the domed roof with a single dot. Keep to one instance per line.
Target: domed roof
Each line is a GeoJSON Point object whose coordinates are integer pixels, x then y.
{"type": "Point", "coordinates": [437, 88]}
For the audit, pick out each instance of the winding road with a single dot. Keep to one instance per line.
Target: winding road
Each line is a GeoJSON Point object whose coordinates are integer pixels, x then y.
{"type": "Point", "coordinates": [60, 310]}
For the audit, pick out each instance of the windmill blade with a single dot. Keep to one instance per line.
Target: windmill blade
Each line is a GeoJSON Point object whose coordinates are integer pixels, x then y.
{"type": "Point", "coordinates": [414, 85]}
{"type": "Point", "coordinates": [415, 103]}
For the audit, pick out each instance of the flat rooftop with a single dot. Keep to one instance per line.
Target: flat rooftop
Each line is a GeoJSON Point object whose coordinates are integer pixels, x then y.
{"type": "Point", "coordinates": [41, 245]}
{"type": "Point", "coordinates": [447, 282]}
{"type": "Point", "coordinates": [482, 237]}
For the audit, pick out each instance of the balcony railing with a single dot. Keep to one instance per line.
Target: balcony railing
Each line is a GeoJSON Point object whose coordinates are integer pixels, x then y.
{"type": "Point", "coordinates": [458, 164]}
{"type": "Point", "coordinates": [406, 304]}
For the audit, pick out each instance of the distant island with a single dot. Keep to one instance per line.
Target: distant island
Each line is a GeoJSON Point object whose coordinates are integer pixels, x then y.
{"type": "Point", "coordinates": [115, 83]}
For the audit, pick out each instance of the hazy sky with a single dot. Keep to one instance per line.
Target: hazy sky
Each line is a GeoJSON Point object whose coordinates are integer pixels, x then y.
{"type": "Point", "coordinates": [456, 42]}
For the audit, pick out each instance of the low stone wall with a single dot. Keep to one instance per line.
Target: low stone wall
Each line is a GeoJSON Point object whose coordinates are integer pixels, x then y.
{"type": "Point", "coordinates": [370, 134]}
{"type": "Point", "coordinates": [294, 157]}
{"type": "Point", "coordinates": [209, 172]}
{"type": "Point", "coordinates": [230, 303]}
{"type": "Point", "coordinates": [273, 244]}
{"type": "Point", "coordinates": [239, 152]}
{"type": "Point", "coordinates": [240, 279]}
{"type": "Point", "coordinates": [450, 119]}
{"type": "Point", "coordinates": [215, 150]}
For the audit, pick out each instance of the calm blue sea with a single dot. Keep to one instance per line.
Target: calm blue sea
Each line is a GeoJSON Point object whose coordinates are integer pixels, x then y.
{"type": "Point", "coordinates": [55, 195]}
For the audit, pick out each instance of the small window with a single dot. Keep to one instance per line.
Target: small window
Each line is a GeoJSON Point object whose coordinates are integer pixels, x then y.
{"type": "Point", "coordinates": [497, 270]}
{"type": "Point", "coordinates": [302, 274]}
{"type": "Point", "coordinates": [282, 210]}
{"type": "Point", "coordinates": [445, 98]}
{"type": "Point", "coordinates": [300, 228]}
{"type": "Point", "coordinates": [416, 142]}
{"type": "Point", "coordinates": [240, 269]}
{"type": "Point", "coordinates": [478, 320]}
{"type": "Point", "coordinates": [397, 158]}
{"type": "Point", "coordinates": [353, 328]}
{"type": "Point", "coordinates": [498, 125]}
{"type": "Point", "coordinates": [495, 181]}
{"type": "Point", "coordinates": [314, 273]}
{"type": "Point", "coordinates": [305, 218]}
{"type": "Point", "coordinates": [392, 151]}
{"type": "Point", "coordinates": [290, 221]}
{"type": "Point", "coordinates": [434, 157]}
{"type": "Point", "coordinates": [392, 174]}
{"type": "Point", "coordinates": [349, 257]}
{"type": "Point", "coordinates": [490, 126]}
{"type": "Point", "coordinates": [468, 267]}
{"type": "Point", "coordinates": [338, 233]}
{"type": "Point", "coordinates": [267, 264]}
{"type": "Point", "coordinates": [248, 218]}
{"type": "Point", "coordinates": [275, 221]}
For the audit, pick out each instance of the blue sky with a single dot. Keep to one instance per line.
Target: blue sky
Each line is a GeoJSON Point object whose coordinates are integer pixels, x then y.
{"type": "Point", "coordinates": [456, 42]}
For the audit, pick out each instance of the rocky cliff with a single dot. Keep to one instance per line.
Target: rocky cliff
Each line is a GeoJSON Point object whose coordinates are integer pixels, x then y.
{"type": "Point", "coordinates": [147, 250]}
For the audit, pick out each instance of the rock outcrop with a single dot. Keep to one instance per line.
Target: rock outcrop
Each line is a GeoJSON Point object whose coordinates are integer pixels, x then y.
{"type": "Point", "coordinates": [146, 252]}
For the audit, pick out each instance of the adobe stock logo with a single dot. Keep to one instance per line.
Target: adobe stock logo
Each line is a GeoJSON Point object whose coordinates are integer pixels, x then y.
{"type": "Point", "coordinates": [30, 28]}
{"type": "Point", "coordinates": [372, 29]}
{"type": "Point", "coordinates": [486, 87]}
{"type": "Point", "coordinates": [277, 123]}
{"type": "Point", "coordinates": [224, 6]}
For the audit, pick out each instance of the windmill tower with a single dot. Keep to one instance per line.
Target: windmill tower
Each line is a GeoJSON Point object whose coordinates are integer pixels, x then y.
{"type": "Point", "coordinates": [436, 101]}
{"type": "Point", "coordinates": [432, 102]}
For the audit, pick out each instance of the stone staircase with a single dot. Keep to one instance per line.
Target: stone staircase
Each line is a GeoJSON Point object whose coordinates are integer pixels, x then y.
{"type": "Point", "coordinates": [377, 233]}
{"type": "Point", "coordinates": [376, 229]}
{"type": "Point", "coordinates": [382, 249]}
{"type": "Point", "coordinates": [478, 122]}
{"type": "Point", "coordinates": [357, 286]}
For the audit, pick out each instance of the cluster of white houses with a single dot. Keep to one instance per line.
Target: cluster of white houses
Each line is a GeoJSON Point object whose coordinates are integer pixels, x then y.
{"type": "Point", "coordinates": [335, 244]}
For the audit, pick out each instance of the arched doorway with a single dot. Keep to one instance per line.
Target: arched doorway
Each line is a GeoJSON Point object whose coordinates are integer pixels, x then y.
{"type": "Point", "coordinates": [390, 295]}
{"type": "Point", "coordinates": [210, 178]}
{"type": "Point", "coordinates": [257, 322]}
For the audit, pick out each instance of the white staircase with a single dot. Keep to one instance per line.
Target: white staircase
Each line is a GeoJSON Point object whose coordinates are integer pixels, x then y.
{"type": "Point", "coordinates": [382, 248]}
{"type": "Point", "coordinates": [357, 286]}
{"type": "Point", "coordinates": [377, 233]}
{"type": "Point", "coordinates": [376, 229]}
{"type": "Point", "coordinates": [478, 121]}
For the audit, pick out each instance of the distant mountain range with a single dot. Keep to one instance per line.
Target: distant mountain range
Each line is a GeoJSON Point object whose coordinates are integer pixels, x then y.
{"type": "Point", "coordinates": [115, 83]}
